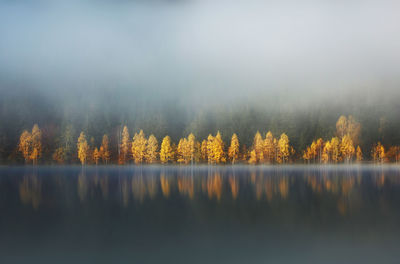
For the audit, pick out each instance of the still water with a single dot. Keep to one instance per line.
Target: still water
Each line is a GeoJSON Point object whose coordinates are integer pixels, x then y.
{"type": "Point", "coordinates": [200, 215]}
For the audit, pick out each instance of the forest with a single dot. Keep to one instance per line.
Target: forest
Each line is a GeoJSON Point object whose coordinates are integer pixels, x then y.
{"type": "Point", "coordinates": [344, 147]}
{"type": "Point", "coordinates": [277, 128]}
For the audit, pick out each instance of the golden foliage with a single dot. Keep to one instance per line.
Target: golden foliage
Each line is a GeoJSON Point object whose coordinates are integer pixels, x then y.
{"type": "Point", "coordinates": [36, 138]}
{"type": "Point", "coordinates": [203, 150]}
{"type": "Point", "coordinates": [151, 149]}
{"type": "Point", "coordinates": [233, 151]}
{"type": "Point", "coordinates": [30, 144]}
{"type": "Point", "coordinates": [269, 148]}
{"type": "Point", "coordinates": [378, 153]}
{"type": "Point", "coordinates": [393, 153]}
{"type": "Point", "coordinates": [257, 152]}
{"type": "Point", "coordinates": [347, 148]}
{"type": "Point", "coordinates": [166, 152]}
{"type": "Point", "coordinates": [83, 148]}
{"type": "Point", "coordinates": [139, 143]}
{"type": "Point", "coordinates": [284, 149]}
{"type": "Point", "coordinates": [104, 150]}
{"type": "Point", "coordinates": [59, 155]}
{"type": "Point", "coordinates": [124, 146]}
{"type": "Point", "coordinates": [25, 145]}
{"type": "Point", "coordinates": [96, 156]}
{"type": "Point", "coordinates": [348, 126]}
{"type": "Point", "coordinates": [359, 155]}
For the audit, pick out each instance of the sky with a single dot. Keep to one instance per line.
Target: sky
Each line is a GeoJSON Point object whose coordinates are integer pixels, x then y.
{"type": "Point", "coordinates": [202, 51]}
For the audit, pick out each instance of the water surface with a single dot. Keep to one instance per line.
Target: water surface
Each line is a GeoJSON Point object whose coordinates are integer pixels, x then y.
{"type": "Point", "coordinates": [200, 214]}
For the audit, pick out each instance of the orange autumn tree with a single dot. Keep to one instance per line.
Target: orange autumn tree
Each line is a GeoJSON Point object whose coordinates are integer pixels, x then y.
{"type": "Point", "coordinates": [36, 137]}
{"type": "Point", "coordinates": [30, 144]}
{"type": "Point", "coordinates": [257, 151]}
{"type": "Point", "coordinates": [210, 149]}
{"type": "Point", "coordinates": [378, 153]}
{"type": "Point", "coordinates": [335, 149]}
{"type": "Point", "coordinates": [192, 145]}
{"type": "Point", "coordinates": [219, 153]}
{"type": "Point", "coordinates": [359, 154]}
{"type": "Point", "coordinates": [233, 151]}
{"type": "Point", "coordinates": [269, 148]}
{"type": "Point", "coordinates": [215, 149]}
{"type": "Point", "coordinates": [25, 145]}
{"type": "Point", "coordinates": [327, 152]}
{"type": "Point", "coordinates": [96, 156]}
{"type": "Point", "coordinates": [104, 150]}
{"type": "Point", "coordinates": [393, 153]}
{"type": "Point", "coordinates": [324, 152]}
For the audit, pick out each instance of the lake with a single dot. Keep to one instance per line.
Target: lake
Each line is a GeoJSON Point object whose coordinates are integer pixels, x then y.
{"type": "Point", "coordinates": [240, 214]}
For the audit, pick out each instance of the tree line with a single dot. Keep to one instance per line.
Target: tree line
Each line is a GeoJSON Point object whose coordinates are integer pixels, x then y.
{"type": "Point", "coordinates": [139, 149]}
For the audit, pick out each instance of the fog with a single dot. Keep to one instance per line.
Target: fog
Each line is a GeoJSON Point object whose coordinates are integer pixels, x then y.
{"type": "Point", "coordinates": [201, 51]}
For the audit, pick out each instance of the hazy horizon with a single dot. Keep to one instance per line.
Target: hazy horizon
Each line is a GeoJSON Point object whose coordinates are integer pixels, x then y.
{"type": "Point", "coordinates": [207, 52]}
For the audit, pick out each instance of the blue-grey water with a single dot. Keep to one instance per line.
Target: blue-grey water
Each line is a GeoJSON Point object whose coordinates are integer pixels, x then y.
{"type": "Point", "coordinates": [200, 214]}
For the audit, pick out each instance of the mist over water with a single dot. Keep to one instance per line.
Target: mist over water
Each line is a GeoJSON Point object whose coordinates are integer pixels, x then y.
{"type": "Point", "coordinates": [346, 214]}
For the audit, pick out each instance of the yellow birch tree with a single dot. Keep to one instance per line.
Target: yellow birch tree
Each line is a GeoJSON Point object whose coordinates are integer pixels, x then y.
{"type": "Point", "coordinates": [83, 148]}
{"type": "Point", "coordinates": [233, 151]}
{"type": "Point", "coordinates": [269, 148]}
{"type": "Point", "coordinates": [284, 149]}
{"type": "Point", "coordinates": [166, 152]}
{"type": "Point", "coordinates": [258, 147]}
{"type": "Point", "coordinates": [347, 148]}
{"type": "Point", "coordinates": [125, 146]}
{"type": "Point", "coordinates": [204, 156]}
{"type": "Point", "coordinates": [151, 149]}
{"type": "Point", "coordinates": [326, 152]}
{"type": "Point", "coordinates": [104, 149]}
{"type": "Point", "coordinates": [139, 143]}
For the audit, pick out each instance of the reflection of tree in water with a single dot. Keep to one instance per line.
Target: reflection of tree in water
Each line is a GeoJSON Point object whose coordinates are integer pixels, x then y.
{"type": "Point", "coordinates": [214, 185]}
{"type": "Point", "coordinates": [88, 183]}
{"type": "Point", "coordinates": [165, 185]}
{"type": "Point", "coordinates": [234, 184]}
{"type": "Point", "coordinates": [82, 186]}
{"type": "Point", "coordinates": [270, 186]}
{"type": "Point", "coordinates": [186, 186]}
{"type": "Point", "coordinates": [343, 189]}
{"type": "Point", "coordinates": [125, 192]}
{"type": "Point", "coordinates": [152, 186]}
{"type": "Point", "coordinates": [30, 191]}
{"type": "Point", "coordinates": [139, 188]}
{"type": "Point", "coordinates": [104, 187]}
